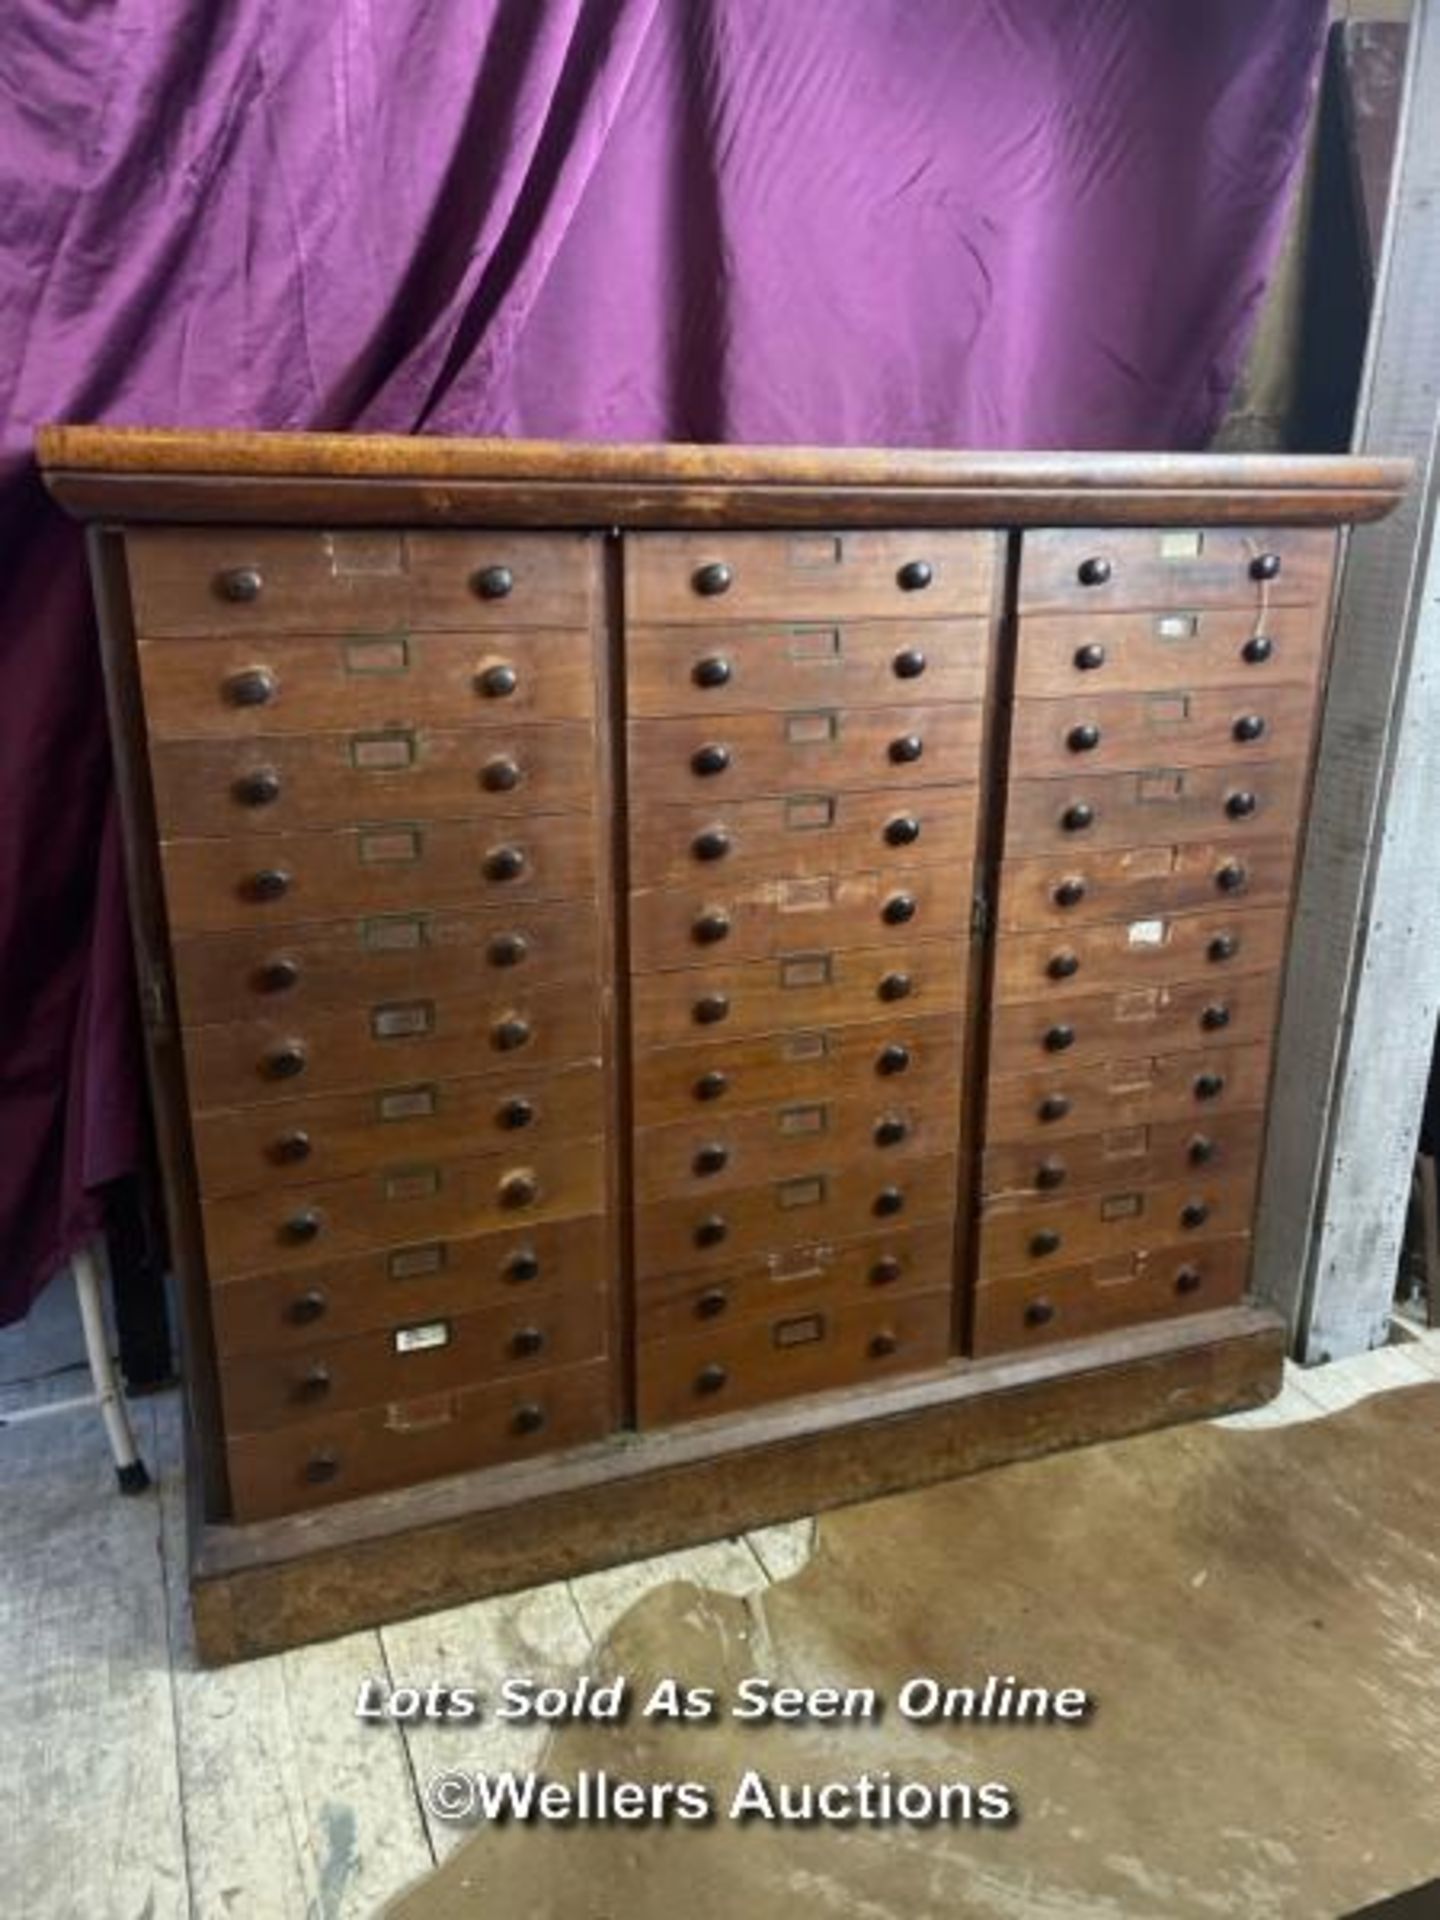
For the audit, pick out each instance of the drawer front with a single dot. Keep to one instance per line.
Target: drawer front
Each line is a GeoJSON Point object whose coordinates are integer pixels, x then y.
{"type": "Point", "coordinates": [1178, 727]}
{"type": "Point", "coordinates": [916, 1059]}
{"type": "Point", "coordinates": [292, 972]}
{"type": "Point", "coordinates": [804, 667]}
{"type": "Point", "coordinates": [886, 749]}
{"type": "Point", "coordinates": [693, 926]}
{"type": "Point", "coordinates": [1064, 1101]}
{"type": "Point", "coordinates": [404, 1442]}
{"type": "Point", "coordinates": [803, 834]}
{"type": "Point", "coordinates": [1087, 884]}
{"type": "Point", "coordinates": [1157, 950]}
{"type": "Point", "coordinates": [805, 1350]}
{"type": "Point", "coordinates": [272, 1312]}
{"type": "Point", "coordinates": [1135, 652]}
{"type": "Point", "coordinates": [399, 1205]}
{"type": "Point", "coordinates": [275, 783]}
{"type": "Point", "coordinates": [1160, 807]}
{"type": "Point", "coordinates": [414, 1357]}
{"type": "Point", "coordinates": [795, 990]}
{"type": "Point", "coordinates": [698, 1233]}
{"type": "Point", "coordinates": [1109, 1293]}
{"type": "Point", "coordinates": [266, 686]}
{"type": "Point", "coordinates": [1102, 569]}
{"type": "Point", "coordinates": [705, 577]}
{"type": "Point", "coordinates": [199, 580]}
{"type": "Point", "coordinates": [914, 1260]}
{"type": "Point", "coordinates": [1122, 1219]}
{"type": "Point", "coordinates": [1119, 1025]}
{"type": "Point", "coordinates": [388, 1045]}
{"type": "Point", "coordinates": [1019, 1173]}
{"type": "Point", "coordinates": [796, 1137]}
{"type": "Point", "coordinates": [390, 867]}
{"type": "Point", "coordinates": [249, 1149]}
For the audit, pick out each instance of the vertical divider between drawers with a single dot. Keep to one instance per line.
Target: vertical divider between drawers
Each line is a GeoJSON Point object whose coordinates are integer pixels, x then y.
{"type": "Point", "coordinates": [994, 775]}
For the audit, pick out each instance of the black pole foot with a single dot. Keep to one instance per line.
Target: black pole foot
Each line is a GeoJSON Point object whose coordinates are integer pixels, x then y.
{"type": "Point", "coordinates": [134, 1478]}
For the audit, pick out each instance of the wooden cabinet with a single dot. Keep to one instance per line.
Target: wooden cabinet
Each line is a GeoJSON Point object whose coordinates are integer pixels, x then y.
{"type": "Point", "coordinates": [683, 985]}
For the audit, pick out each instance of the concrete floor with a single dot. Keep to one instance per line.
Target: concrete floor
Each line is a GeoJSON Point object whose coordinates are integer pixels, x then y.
{"type": "Point", "coordinates": [141, 1786]}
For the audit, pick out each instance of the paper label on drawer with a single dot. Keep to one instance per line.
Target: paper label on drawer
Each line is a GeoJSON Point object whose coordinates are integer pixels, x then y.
{"type": "Point", "coordinates": [414, 1416]}
{"type": "Point", "coordinates": [1164, 710]}
{"type": "Point", "coordinates": [407, 1103]}
{"type": "Point", "coordinates": [1159, 786]}
{"type": "Point", "coordinates": [793, 1121]}
{"type": "Point", "coordinates": [815, 550]}
{"type": "Point", "coordinates": [806, 895]}
{"type": "Point", "coordinates": [411, 1263]}
{"type": "Point", "coordinates": [1177, 626]}
{"type": "Point", "coordinates": [1147, 933]}
{"type": "Point", "coordinates": [402, 1020]}
{"type": "Point", "coordinates": [810, 812]}
{"type": "Point", "coordinates": [376, 656]}
{"type": "Point", "coordinates": [382, 752]}
{"type": "Point", "coordinates": [811, 729]}
{"type": "Point", "coordinates": [804, 1046]}
{"type": "Point", "coordinates": [368, 552]}
{"type": "Point", "coordinates": [1122, 1206]}
{"type": "Point", "coordinates": [394, 933]}
{"type": "Point", "coordinates": [813, 643]}
{"type": "Point", "coordinates": [802, 1331]}
{"type": "Point", "coordinates": [1181, 544]}
{"type": "Point", "coordinates": [411, 1183]}
{"type": "Point", "coordinates": [806, 970]}
{"type": "Point", "coordinates": [431, 1333]}
{"type": "Point", "coordinates": [801, 1193]}
{"type": "Point", "coordinates": [390, 844]}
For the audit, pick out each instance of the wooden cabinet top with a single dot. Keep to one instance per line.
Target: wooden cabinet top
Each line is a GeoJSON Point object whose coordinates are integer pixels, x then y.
{"type": "Point", "coordinates": [141, 473]}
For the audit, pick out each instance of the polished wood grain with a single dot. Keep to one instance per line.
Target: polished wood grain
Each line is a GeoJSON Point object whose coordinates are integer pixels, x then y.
{"type": "Point", "coordinates": [272, 1311]}
{"type": "Point", "coordinates": [1016, 1174]}
{"type": "Point", "coordinates": [1136, 1089]}
{"type": "Point", "coordinates": [182, 580]}
{"type": "Point", "coordinates": [1161, 950]}
{"type": "Point", "coordinates": [1089, 653]}
{"type": "Point", "coordinates": [399, 1443]}
{"type": "Point", "coordinates": [1085, 885]}
{"type": "Point", "coordinates": [812, 1346]}
{"type": "Point", "coordinates": [435, 1354]}
{"type": "Point", "coordinates": [1105, 1294]}
{"type": "Point", "coordinates": [1123, 1218]}
{"type": "Point", "coordinates": [327, 1136]}
{"type": "Point", "coordinates": [1162, 568]}
{"type": "Point", "coordinates": [1161, 806]}
{"type": "Point", "coordinates": [1188, 1016]}
{"type": "Point", "coordinates": [802, 666]}
{"type": "Point", "coordinates": [1177, 727]}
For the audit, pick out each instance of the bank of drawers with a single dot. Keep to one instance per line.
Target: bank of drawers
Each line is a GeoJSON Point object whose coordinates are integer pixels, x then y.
{"type": "Point", "coordinates": [806, 726]}
{"type": "Point", "coordinates": [374, 759]}
{"type": "Point", "coordinates": [1165, 687]}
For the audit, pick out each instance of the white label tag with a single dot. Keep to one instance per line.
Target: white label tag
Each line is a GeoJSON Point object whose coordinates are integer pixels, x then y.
{"type": "Point", "coordinates": [431, 1333]}
{"type": "Point", "coordinates": [1146, 933]}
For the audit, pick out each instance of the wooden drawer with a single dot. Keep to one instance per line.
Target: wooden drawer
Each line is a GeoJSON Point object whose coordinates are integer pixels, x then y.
{"type": "Point", "coordinates": [1087, 884]}
{"type": "Point", "coordinates": [1121, 1219]}
{"type": "Point", "coordinates": [248, 1149]}
{"type": "Point", "coordinates": [390, 1046]}
{"type": "Point", "coordinates": [293, 971]}
{"type": "Point", "coordinates": [278, 879]}
{"type": "Point", "coordinates": [405, 1442]}
{"type": "Point", "coordinates": [186, 580]}
{"type": "Point", "coordinates": [1064, 1101]}
{"type": "Point", "coordinates": [808, 576]}
{"type": "Point", "coordinates": [1185, 727]}
{"type": "Point", "coordinates": [433, 1355]}
{"type": "Point", "coordinates": [809, 667]}
{"type": "Point", "coordinates": [270, 1312]}
{"type": "Point", "coordinates": [1155, 950]}
{"type": "Point", "coordinates": [805, 1349]}
{"type": "Point", "coordinates": [1088, 654]}
{"type": "Point", "coordinates": [274, 784]}
{"type": "Point", "coordinates": [1109, 1293]}
{"type": "Point", "coordinates": [399, 1204]}
{"type": "Point", "coordinates": [717, 1154]}
{"type": "Point", "coordinates": [693, 926]}
{"type": "Point", "coordinates": [888, 749]}
{"type": "Point", "coordinates": [919, 1059]}
{"type": "Point", "coordinates": [796, 990]}
{"type": "Point", "coordinates": [914, 1260]}
{"type": "Point", "coordinates": [1132, 1020]}
{"type": "Point", "coordinates": [1102, 569]}
{"type": "Point", "coordinates": [697, 1233]}
{"type": "Point", "coordinates": [802, 835]}
{"type": "Point", "coordinates": [1159, 807]}
{"type": "Point", "coordinates": [1015, 1175]}
{"type": "Point", "coordinates": [265, 686]}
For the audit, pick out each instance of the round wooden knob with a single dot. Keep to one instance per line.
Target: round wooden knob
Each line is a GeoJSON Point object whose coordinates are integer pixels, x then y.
{"type": "Point", "coordinates": [885, 1271]}
{"type": "Point", "coordinates": [1208, 1086]}
{"type": "Point", "coordinates": [892, 1058]}
{"type": "Point", "coordinates": [915, 576]}
{"type": "Point", "coordinates": [1250, 726]}
{"type": "Point", "coordinates": [284, 1062]}
{"type": "Point", "coordinates": [1265, 566]}
{"type": "Point", "coordinates": [902, 832]}
{"type": "Point", "coordinates": [289, 1149]}
{"type": "Point", "coordinates": [518, 1190]}
{"type": "Point", "coordinates": [1201, 1150]}
{"type": "Point", "coordinates": [308, 1307]}
{"type": "Point", "coordinates": [907, 749]}
{"type": "Point", "coordinates": [711, 759]}
{"type": "Point", "coordinates": [711, 1303]}
{"type": "Point", "coordinates": [882, 1345]}
{"type": "Point", "coordinates": [1240, 806]}
{"type": "Point", "coordinates": [888, 1202]}
{"type": "Point", "coordinates": [240, 584]}
{"type": "Point", "coordinates": [1054, 1106]}
{"type": "Point", "coordinates": [494, 583]}
{"type": "Point", "coordinates": [320, 1468]}
{"type": "Point", "coordinates": [898, 909]}
{"type": "Point", "coordinates": [1069, 893]}
{"type": "Point", "coordinates": [890, 1130]}
{"type": "Point", "coordinates": [510, 1033]}
{"type": "Point", "coordinates": [712, 1231]}
{"type": "Point", "coordinates": [713, 672]}
{"type": "Point", "coordinates": [1231, 877]}
{"type": "Point", "coordinates": [1083, 739]}
{"type": "Point", "coordinates": [714, 579]}
{"type": "Point", "coordinates": [711, 927]}
{"type": "Point", "coordinates": [523, 1264]}
{"type": "Point", "coordinates": [1188, 1280]}
{"type": "Point", "coordinates": [302, 1227]}
{"type": "Point", "coordinates": [1049, 1175]}
{"type": "Point", "coordinates": [712, 1378]}
{"type": "Point", "coordinates": [507, 949]}
{"type": "Point", "coordinates": [1077, 816]}
{"type": "Point", "coordinates": [1038, 1313]}
{"type": "Point", "coordinates": [1063, 965]}
{"type": "Point", "coordinates": [526, 1342]}
{"type": "Point", "coordinates": [908, 664]}
{"type": "Point", "coordinates": [314, 1384]}
{"type": "Point", "coordinates": [895, 986]}
{"type": "Point", "coordinates": [1224, 946]}
{"type": "Point", "coordinates": [1044, 1243]}
{"type": "Point", "coordinates": [501, 775]}
{"type": "Point", "coordinates": [711, 1158]}
{"type": "Point", "coordinates": [258, 788]}
{"type": "Point", "coordinates": [528, 1419]}
{"type": "Point", "coordinates": [1058, 1038]}
{"type": "Point", "coordinates": [516, 1113]}
{"type": "Point", "coordinates": [712, 844]}
{"type": "Point", "coordinates": [270, 883]}
{"type": "Point", "coordinates": [505, 863]}
{"type": "Point", "coordinates": [711, 1085]}
{"type": "Point", "coordinates": [710, 1008]}
{"type": "Point", "coordinates": [1093, 572]}
{"type": "Point", "coordinates": [498, 682]}
{"type": "Point", "coordinates": [277, 975]}
{"type": "Point", "coordinates": [1090, 656]}
{"type": "Point", "coordinates": [1214, 1017]}
{"type": "Point", "coordinates": [1194, 1213]}
{"type": "Point", "coordinates": [1257, 649]}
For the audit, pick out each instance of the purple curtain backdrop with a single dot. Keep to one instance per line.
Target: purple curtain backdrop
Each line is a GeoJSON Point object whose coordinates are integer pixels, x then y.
{"type": "Point", "coordinates": [1010, 223]}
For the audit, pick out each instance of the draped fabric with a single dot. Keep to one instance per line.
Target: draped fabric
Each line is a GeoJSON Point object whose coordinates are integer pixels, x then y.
{"type": "Point", "coordinates": [964, 223]}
